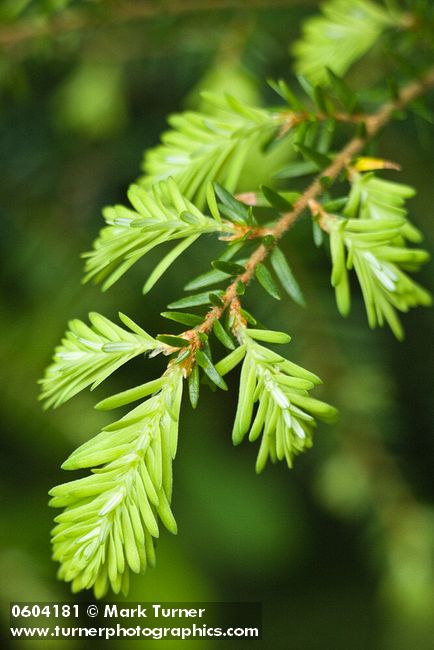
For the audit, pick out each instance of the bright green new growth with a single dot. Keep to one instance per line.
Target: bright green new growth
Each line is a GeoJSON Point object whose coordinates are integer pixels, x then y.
{"type": "Point", "coordinates": [286, 414]}
{"type": "Point", "coordinates": [374, 245]}
{"type": "Point", "coordinates": [370, 248]}
{"type": "Point", "coordinates": [88, 355]}
{"type": "Point", "coordinates": [161, 214]}
{"type": "Point", "coordinates": [111, 517]}
{"type": "Point", "coordinates": [345, 31]}
{"type": "Point", "coordinates": [208, 147]}
{"type": "Point", "coordinates": [375, 198]}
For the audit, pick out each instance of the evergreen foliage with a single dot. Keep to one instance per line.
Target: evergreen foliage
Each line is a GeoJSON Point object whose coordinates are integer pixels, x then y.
{"type": "Point", "coordinates": [110, 518]}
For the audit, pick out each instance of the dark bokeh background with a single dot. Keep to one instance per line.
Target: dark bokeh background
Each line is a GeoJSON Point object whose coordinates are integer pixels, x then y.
{"type": "Point", "coordinates": [340, 549]}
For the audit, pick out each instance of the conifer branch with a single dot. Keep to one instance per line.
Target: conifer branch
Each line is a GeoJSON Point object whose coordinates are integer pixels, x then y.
{"type": "Point", "coordinates": [373, 124]}
{"type": "Point", "coordinates": [111, 516]}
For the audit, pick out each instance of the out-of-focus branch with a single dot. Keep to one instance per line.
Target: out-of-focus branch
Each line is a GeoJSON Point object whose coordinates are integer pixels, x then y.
{"type": "Point", "coordinates": [76, 20]}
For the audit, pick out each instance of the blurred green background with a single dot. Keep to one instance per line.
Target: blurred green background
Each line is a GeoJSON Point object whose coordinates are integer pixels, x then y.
{"type": "Point", "coordinates": [340, 550]}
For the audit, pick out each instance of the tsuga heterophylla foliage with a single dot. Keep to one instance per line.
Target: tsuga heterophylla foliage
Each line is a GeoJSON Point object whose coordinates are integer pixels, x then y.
{"type": "Point", "coordinates": [111, 518]}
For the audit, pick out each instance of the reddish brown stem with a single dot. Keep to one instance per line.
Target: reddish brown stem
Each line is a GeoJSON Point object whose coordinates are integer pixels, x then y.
{"type": "Point", "coordinates": [290, 119]}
